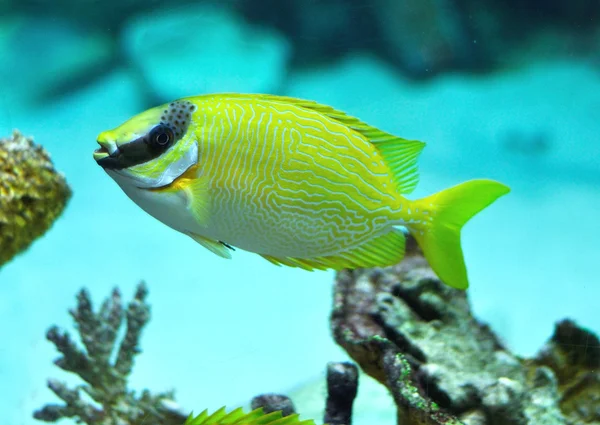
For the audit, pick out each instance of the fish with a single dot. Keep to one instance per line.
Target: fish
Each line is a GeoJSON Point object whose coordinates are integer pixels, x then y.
{"type": "Point", "coordinates": [239, 417]}
{"type": "Point", "coordinates": [298, 182]}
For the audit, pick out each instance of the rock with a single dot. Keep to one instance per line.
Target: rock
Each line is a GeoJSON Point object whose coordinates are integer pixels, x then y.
{"type": "Point", "coordinates": [201, 49]}
{"type": "Point", "coordinates": [373, 404]}
{"type": "Point", "coordinates": [573, 354]}
{"type": "Point", "coordinates": [503, 401]}
{"type": "Point", "coordinates": [418, 337]}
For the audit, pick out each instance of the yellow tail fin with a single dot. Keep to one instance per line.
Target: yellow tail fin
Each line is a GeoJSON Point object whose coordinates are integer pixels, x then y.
{"type": "Point", "coordinates": [450, 209]}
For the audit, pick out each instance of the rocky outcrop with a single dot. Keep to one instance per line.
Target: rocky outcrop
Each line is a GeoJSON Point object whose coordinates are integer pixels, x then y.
{"type": "Point", "coordinates": [418, 337]}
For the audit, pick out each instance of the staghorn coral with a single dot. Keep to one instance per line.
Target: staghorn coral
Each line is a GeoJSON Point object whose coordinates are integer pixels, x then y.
{"type": "Point", "coordinates": [105, 367]}
{"type": "Point", "coordinates": [418, 337]}
{"type": "Point", "coordinates": [32, 194]}
{"type": "Point", "coordinates": [105, 377]}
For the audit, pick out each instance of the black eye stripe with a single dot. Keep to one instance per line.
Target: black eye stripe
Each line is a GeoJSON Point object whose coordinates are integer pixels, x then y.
{"type": "Point", "coordinates": [174, 122]}
{"type": "Point", "coordinates": [143, 149]}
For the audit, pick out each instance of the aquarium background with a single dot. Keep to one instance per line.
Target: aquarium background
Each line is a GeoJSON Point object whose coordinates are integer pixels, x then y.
{"type": "Point", "coordinates": [508, 90]}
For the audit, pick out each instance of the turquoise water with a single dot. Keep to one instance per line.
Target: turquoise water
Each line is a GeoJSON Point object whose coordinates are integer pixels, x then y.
{"type": "Point", "coordinates": [223, 331]}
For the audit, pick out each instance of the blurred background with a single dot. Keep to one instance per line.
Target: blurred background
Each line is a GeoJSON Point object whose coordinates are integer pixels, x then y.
{"type": "Point", "coordinates": [506, 89]}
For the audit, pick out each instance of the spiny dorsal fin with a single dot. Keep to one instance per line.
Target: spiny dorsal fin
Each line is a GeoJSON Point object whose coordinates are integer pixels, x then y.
{"type": "Point", "coordinates": [238, 417]}
{"type": "Point", "coordinates": [400, 154]}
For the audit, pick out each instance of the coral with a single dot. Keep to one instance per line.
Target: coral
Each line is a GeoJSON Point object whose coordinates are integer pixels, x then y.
{"type": "Point", "coordinates": [105, 377]}
{"type": "Point", "coordinates": [401, 324]}
{"type": "Point", "coordinates": [32, 194]}
{"type": "Point", "coordinates": [418, 337]}
{"type": "Point", "coordinates": [105, 367]}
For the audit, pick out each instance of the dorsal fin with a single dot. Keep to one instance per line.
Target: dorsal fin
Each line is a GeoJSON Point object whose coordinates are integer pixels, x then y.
{"type": "Point", "coordinates": [400, 154]}
{"type": "Point", "coordinates": [402, 157]}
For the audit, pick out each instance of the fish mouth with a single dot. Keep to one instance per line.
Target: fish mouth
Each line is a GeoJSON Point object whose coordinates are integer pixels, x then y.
{"type": "Point", "coordinates": [109, 156]}
{"type": "Point", "coordinates": [100, 153]}
{"type": "Point", "coordinates": [106, 150]}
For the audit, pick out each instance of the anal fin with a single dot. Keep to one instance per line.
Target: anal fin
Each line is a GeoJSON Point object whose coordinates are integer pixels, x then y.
{"type": "Point", "coordinates": [384, 250]}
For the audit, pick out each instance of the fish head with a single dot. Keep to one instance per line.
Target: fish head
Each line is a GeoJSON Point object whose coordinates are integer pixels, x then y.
{"type": "Point", "coordinates": [151, 149]}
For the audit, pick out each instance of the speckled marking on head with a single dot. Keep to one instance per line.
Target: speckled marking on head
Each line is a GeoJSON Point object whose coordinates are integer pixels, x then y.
{"type": "Point", "coordinates": [177, 116]}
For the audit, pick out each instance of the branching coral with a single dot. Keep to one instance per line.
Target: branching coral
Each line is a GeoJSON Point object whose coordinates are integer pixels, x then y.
{"type": "Point", "coordinates": [105, 367]}
{"type": "Point", "coordinates": [32, 194]}
{"type": "Point", "coordinates": [418, 337]}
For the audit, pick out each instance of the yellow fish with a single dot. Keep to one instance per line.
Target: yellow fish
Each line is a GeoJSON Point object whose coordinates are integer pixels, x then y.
{"type": "Point", "coordinates": [297, 182]}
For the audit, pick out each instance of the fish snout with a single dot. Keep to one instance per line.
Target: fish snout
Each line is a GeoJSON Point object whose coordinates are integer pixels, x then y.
{"type": "Point", "coordinates": [108, 147]}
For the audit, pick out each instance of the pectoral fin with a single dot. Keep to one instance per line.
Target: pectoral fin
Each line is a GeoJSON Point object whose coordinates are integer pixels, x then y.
{"type": "Point", "coordinates": [196, 193]}
{"type": "Point", "coordinates": [219, 248]}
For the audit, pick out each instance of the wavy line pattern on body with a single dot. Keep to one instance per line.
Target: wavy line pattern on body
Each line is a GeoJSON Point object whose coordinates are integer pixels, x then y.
{"type": "Point", "coordinates": [271, 165]}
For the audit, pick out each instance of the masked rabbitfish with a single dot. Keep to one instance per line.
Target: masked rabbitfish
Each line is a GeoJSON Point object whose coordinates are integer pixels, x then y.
{"type": "Point", "coordinates": [297, 182]}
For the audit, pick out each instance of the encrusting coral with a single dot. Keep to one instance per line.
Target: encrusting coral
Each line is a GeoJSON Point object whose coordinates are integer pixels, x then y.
{"type": "Point", "coordinates": [403, 327]}
{"type": "Point", "coordinates": [417, 336]}
{"type": "Point", "coordinates": [32, 194]}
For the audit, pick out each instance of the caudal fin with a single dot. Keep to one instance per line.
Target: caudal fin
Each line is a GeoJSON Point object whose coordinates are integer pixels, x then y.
{"type": "Point", "coordinates": [450, 209]}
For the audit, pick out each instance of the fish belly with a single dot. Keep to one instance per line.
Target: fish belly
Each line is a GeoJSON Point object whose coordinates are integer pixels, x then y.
{"type": "Point", "coordinates": [170, 208]}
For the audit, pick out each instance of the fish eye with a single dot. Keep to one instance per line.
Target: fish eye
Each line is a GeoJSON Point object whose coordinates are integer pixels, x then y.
{"type": "Point", "coordinates": [161, 135]}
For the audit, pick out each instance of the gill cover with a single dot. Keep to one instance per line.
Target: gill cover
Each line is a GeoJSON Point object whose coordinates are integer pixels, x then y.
{"type": "Point", "coordinates": [153, 148]}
